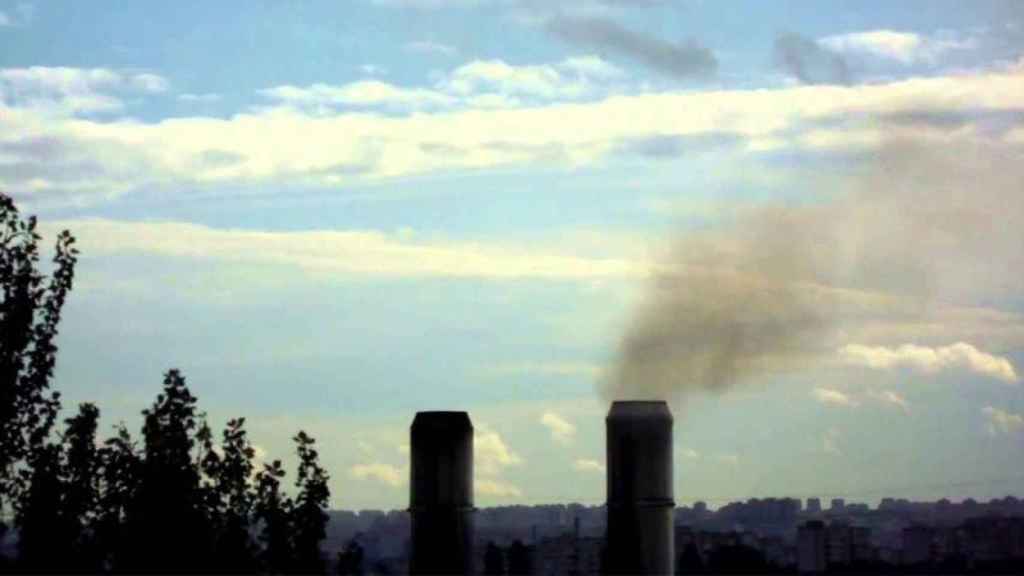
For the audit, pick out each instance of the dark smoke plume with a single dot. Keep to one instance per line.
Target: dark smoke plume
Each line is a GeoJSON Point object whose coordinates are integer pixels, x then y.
{"type": "Point", "coordinates": [809, 62]}
{"type": "Point", "coordinates": [919, 238]}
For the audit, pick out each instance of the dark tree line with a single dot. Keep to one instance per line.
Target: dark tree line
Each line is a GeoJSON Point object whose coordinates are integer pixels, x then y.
{"type": "Point", "coordinates": [176, 499]}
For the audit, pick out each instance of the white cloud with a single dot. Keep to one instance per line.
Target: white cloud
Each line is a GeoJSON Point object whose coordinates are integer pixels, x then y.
{"type": "Point", "coordinates": [690, 454]}
{"type": "Point", "coordinates": [428, 47]}
{"type": "Point", "coordinates": [477, 84]}
{"type": "Point", "coordinates": [833, 397]}
{"type": "Point", "coordinates": [890, 398]}
{"type": "Point", "coordinates": [491, 457]}
{"type": "Point", "coordinates": [561, 430]}
{"type": "Point", "coordinates": [588, 465]}
{"type": "Point", "coordinates": [205, 97]}
{"type": "Point", "coordinates": [331, 253]}
{"type": "Point", "coordinates": [151, 83]}
{"type": "Point", "coordinates": [558, 369]}
{"type": "Point", "coordinates": [959, 355]}
{"type": "Point", "coordinates": [1001, 421]}
{"type": "Point", "coordinates": [23, 13]}
{"type": "Point", "coordinates": [542, 81]}
{"type": "Point", "coordinates": [490, 453]}
{"type": "Point", "coordinates": [593, 66]}
{"type": "Point", "coordinates": [72, 90]}
{"type": "Point", "coordinates": [361, 93]}
{"type": "Point", "coordinates": [312, 144]}
{"type": "Point", "coordinates": [904, 47]}
{"type": "Point", "coordinates": [830, 441]}
{"type": "Point", "coordinates": [372, 70]}
{"type": "Point", "coordinates": [383, 473]}
{"type": "Point", "coordinates": [427, 4]}
{"type": "Point", "coordinates": [496, 488]}
{"type": "Point", "coordinates": [728, 459]}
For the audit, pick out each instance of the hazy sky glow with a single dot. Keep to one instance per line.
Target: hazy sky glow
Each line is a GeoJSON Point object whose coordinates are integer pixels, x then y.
{"type": "Point", "coordinates": [331, 215]}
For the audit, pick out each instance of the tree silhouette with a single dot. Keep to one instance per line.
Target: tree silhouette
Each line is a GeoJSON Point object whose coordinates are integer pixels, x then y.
{"type": "Point", "coordinates": [494, 560]}
{"type": "Point", "coordinates": [81, 483]}
{"type": "Point", "coordinates": [166, 520]}
{"type": "Point", "coordinates": [234, 546]}
{"type": "Point", "coordinates": [38, 510]}
{"type": "Point", "coordinates": [274, 511]}
{"type": "Point", "coordinates": [519, 559]}
{"type": "Point", "coordinates": [179, 504]}
{"type": "Point", "coordinates": [350, 560]}
{"type": "Point", "coordinates": [309, 516]}
{"type": "Point", "coordinates": [30, 310]}
{"type": "Point", "coordinates": [120, 476]}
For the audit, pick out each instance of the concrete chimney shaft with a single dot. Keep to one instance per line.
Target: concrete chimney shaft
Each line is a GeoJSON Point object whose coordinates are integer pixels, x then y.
{"type": "Point", "coordinates": [640, 495]}
{"type": "Point", "coordinates": [441, 493]}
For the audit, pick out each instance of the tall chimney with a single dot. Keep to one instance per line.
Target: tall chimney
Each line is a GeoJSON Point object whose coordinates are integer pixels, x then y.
{"type": "Point", "coordinates": [640, 501]}
{"type": "Point", "coordinates": [441, 493]}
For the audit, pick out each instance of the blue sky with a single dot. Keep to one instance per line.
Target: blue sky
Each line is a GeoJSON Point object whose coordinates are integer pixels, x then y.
{"type": "Point", "coordinates": [801, 224]}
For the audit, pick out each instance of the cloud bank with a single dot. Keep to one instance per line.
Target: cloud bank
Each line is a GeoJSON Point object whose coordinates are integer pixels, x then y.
{"type": "Point", "coordinates": [960, 355]}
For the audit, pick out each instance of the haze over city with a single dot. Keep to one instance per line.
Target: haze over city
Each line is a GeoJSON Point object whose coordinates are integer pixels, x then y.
{"type": "Point", "coordinates": [801, 226]}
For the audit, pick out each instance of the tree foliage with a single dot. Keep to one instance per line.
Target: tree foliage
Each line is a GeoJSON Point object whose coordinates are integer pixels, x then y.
{"type": "Point", "coordinates": [178, 502]}
{"type": "Point", "coordinates": [30, 310]}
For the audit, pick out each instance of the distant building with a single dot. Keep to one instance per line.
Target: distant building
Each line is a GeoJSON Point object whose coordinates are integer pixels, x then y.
{"type": "Point", "coordinates": [814, 506]}
{"type": "Point", "coordinates": [811, 547]}
{"type": "Point", "coordinates": [700, 508]}
{"type": "Point", "coordinates": [917, 544]}
{"type": "Point", "coordinates": [838, 505]}
{"type": "Point", "coordinates": [837, 544]}
{"type": "Point", "coordinates": [861, 550]}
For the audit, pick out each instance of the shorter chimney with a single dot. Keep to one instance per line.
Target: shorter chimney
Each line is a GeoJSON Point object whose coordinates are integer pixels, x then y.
{"type": "Point", "coordinates": [441, 493]}
{"type": "Point", "coordinates": [640, 500]}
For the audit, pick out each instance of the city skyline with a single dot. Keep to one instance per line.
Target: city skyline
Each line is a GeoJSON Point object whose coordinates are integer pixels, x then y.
{"type": "Point", "coordinates": [330, 217]}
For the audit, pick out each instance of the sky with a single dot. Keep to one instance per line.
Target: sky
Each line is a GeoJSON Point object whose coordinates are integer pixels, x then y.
{"type": "Point", "coordinates": [800, 224]}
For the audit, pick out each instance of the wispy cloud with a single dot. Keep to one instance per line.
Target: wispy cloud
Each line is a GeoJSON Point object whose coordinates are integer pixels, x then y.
{"type": "Point", "coordinates": [204, 97]}
{"type": "Point", "coordinates": [562, 431]}
{"type": "Point", "coordinates": [833, 397]}
{"type": "Point", "coordinates": [559, 369]}
{"type": "Point", "coordinates": [428, 47]}
{"type": "Point", "coordinates": [312, 143]}
{"type": "Point", "coordinates": [1001, 421]}
{"type": "Point", "coordinates": [830, 441]}
{"type": "Point", "coordinates": [491, 457]}
{"type": "Point", "coordinates": [331, 253]}
{"type": "Point", "coordinates": [689, 453]}
{"type": "Point", "coordinates": [927, 359]}
{"type": "Point", "coordinates": [496, 488]}
{"type": "Point", "coordinates": [22, 15]}
{"type": "Point", "coordinates": [588, 465]}
{"type": "Point", "coordinates": [903, 47]}
{"type": "Point", "coordinates": [728, 459]}
{"type": "Point", "coordinates": [490, 452]}
{"type": "Point", "coordinates": [484, 84]}
{"type": "Point", "coordinates": [890, 398]}
{"type": "Point", "coordinates": [384, 473]}
{"type": "Point", "coordinates": [73, 90]}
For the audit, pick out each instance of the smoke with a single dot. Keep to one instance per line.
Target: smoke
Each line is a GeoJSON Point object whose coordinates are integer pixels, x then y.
{"type": "Point", "coordinates": [679, 60]}
{"type": "Point", "coordinates": [920, 231]}
{"type": "Point", "coordinates": [810, 62]}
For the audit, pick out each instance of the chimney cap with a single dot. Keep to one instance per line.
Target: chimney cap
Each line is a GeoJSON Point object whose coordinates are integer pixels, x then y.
{"type": "Point", "coordinates": [629, 409]}
{"type": "Point", "coordinates": [442, 419]}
